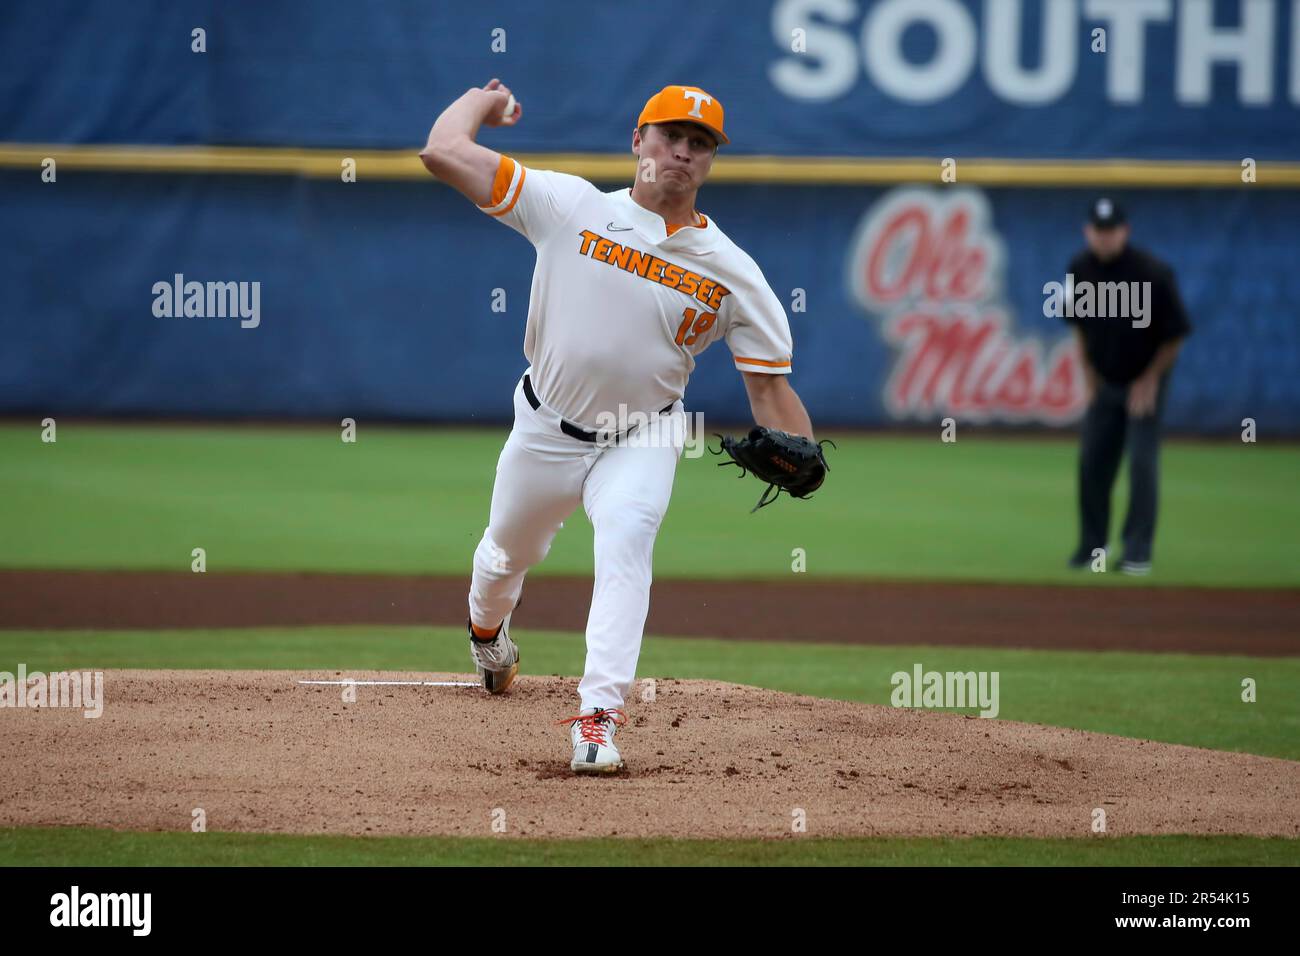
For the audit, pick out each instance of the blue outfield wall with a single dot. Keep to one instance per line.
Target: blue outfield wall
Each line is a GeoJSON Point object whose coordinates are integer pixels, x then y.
{"type": "Point", "coordinates": [1022, 78]}
{"type": "Point", "coordinates": [376, 300]}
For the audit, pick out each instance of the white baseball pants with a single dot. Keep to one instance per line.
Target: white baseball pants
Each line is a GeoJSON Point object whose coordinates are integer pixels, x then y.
{"type": "Point", "coordinates": [541, 478]}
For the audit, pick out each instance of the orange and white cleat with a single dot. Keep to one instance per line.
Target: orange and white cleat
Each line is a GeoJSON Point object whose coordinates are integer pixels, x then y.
{"type": "Point", "coordinates": [592, 732]}
{"type": "Point", "coordinates": [496, 659]}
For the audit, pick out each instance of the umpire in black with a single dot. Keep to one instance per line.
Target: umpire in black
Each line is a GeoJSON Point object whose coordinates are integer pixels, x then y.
{"type": "Point", "coordinates": [1127, 360]}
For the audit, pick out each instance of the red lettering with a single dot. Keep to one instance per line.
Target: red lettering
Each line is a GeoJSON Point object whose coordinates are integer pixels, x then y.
{"type": "Point", "coordinates": [1062, 393]}
{"type": "Point", "coordinates": [955, 361]}
{"type": "Point", "coordinates": [911, 254]}
{"type": "Point", "coordinates": [956, 268]}
{"type": "Point", "coordinates": [926, 266]}
{"type": "Point", "coordinates": [1016, 391]}
{"type": "Point", "coordinates": [904, 235]}
{"type": "Point", "coordinates": [939, 354]}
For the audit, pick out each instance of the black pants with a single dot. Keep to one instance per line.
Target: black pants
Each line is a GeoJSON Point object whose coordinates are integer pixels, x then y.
{"type": "Point", "coordinates": [1107, 430]}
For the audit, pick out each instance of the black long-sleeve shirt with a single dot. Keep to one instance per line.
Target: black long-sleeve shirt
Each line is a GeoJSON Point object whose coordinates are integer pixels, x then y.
{"type": "Point", "coordinates": [1115, 348]}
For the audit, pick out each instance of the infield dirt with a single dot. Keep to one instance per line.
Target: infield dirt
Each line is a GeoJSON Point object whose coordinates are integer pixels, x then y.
{"type": "Point", "coordinates": [256, 751]}
{"type": "Point", "coordinates": [1258, 622]}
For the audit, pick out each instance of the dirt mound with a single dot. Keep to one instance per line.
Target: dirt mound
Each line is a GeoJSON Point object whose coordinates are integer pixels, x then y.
{"type": "Point", "coordinates": [256, 751]}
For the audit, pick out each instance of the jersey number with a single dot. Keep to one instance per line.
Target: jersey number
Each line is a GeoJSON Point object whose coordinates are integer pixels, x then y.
{"type": "Point", "coordinates": [693, 327]}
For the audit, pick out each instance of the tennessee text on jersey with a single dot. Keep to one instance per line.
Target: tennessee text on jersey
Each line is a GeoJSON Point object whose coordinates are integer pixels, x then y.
{"type": "Point", "coordinates": [709, 291]}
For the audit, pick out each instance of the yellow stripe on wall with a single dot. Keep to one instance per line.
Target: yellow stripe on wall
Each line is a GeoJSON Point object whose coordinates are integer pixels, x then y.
{"type": "Point", "coordinates": [616, 167]}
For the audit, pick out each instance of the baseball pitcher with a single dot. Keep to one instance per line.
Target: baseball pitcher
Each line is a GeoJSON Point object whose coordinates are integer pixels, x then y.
{"type": "Point", "coordinates": [629, 287]}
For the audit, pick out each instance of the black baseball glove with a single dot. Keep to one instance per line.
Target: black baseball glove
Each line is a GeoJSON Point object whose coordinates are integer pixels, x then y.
{"type": "Point", "coordinates": [790, 463]}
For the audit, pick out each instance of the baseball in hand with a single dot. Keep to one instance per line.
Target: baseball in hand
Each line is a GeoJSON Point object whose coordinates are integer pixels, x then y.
{"type": "Point", "coordinates": [510, 108]}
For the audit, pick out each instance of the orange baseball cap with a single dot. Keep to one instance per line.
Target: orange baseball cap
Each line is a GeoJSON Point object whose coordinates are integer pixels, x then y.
{"type": "Point", "coordinates": [684, 104]}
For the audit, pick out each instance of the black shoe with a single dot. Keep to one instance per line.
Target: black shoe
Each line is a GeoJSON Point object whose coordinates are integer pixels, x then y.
{"type": "Point", "coordinates": [1135, 568]}
{"type": "Point", "coordinates": [1081, 560]}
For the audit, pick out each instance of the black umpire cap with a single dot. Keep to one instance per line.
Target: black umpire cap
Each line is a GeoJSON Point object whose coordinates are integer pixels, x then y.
{"type": "Point", "coordinates": [1105, 213]}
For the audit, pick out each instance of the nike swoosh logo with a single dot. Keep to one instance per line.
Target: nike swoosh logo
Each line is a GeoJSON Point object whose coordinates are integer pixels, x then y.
{"type": "Point", "coordinates": [613, 228]}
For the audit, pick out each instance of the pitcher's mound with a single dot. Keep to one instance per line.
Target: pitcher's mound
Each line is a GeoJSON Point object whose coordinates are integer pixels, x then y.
{"type": "Point", "coordinates": [257, 751]}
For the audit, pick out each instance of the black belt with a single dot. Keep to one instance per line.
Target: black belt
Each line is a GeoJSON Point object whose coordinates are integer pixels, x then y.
{"type": "Point", "coordinates": [569, 428]}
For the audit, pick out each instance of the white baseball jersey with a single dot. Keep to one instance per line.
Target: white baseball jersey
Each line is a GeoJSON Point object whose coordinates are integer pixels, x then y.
{"type": "Point", "coordinates": [619, 307]}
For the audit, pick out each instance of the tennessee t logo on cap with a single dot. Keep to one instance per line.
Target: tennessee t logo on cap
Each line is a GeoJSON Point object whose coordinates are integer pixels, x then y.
{"type": "Point", "coordinates": [685, 104]}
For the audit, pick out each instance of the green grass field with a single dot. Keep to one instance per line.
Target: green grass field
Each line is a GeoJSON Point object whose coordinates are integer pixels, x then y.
{"type": "Point", "coordinates": [991, 509]}
{"type": "Point", "coordinates": [907, 508]}
{"type": "Point", "coordinates": [74, 847]}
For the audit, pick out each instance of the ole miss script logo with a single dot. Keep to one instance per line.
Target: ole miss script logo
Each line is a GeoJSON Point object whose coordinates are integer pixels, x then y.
{"type": "Point", "coordinates": [930, 267]}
